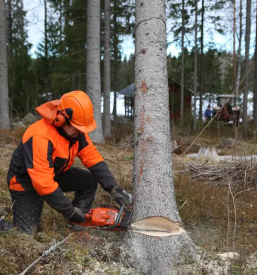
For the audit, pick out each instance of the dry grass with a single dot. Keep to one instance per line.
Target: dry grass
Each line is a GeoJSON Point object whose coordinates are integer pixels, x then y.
{"type": "Point", "coordinates": [87, 252]}
{"type": "Point", "coordinates": [207, 213]}
{"type": "Point", "coordinates": [208, 209]}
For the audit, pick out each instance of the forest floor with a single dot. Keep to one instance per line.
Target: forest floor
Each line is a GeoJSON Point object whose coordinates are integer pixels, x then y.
{"type": "Point", "coordinates": [219, 218]}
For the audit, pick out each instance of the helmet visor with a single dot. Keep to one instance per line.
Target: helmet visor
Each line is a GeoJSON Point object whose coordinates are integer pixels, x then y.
{"type": "Point", "coordinates": [83, 128]}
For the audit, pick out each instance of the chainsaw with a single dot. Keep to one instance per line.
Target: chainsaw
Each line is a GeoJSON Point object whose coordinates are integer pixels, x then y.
{"type": "Point", "coordinates": [112, 219]}
{"type": "Point", "coordinates": [107, 218]}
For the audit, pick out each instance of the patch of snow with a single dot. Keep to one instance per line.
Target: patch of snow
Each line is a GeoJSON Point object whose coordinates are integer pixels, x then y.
{"type": "Point", "coordinates": [229, 255]}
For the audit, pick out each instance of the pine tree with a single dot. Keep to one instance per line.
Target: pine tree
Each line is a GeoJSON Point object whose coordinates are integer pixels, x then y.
{"type": "Point", "coordinates": [195, 63]}
{"type": "Point", "coordinates": [21, 80]}
{"type": "Point", "coordinates": [93, 65]}
{"type": "Point", "coordinates": [107, 71]}
{"type": "Point", "coordinates": [4, 103]}
{"type": "Point", "coordinates": [255, 75]}
{"type": "Point", "coordinates": [247, 69]}
{"type": "Point", "coordinates": [152, 170]}
{"type": "Point", "coordinates": [239, 57]}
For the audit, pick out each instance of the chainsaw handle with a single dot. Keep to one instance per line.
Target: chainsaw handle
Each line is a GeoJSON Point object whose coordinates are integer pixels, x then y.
{"type": "Point", "coordinates": [117, 220]}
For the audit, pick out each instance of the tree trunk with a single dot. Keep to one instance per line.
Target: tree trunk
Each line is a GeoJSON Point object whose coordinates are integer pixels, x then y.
{"type": "Point", "coordinates": [195, 64]}
{"type": "Point", "coordinates": [46, 51]}
{"type": "Point", "coordinates": [23, 39]}
{"type": "Point", "coordinates": [234, 48]}
{"type": "Point", "coordinates": [182, 64]}
{"type": "Point", "coordinates": [93, 65]}
{"type": "Point", "coordinates": [247, 45]}
{"type": "Point", "coordinates": [4, 102]}
{"type": "Point", "coordinates": [45, 31]}
{"type": "Point", "coordinates": [153, 181]}
{"type": "Point", "coordinates": [115, 57]}
{"type": "Point", "coordinates": [10, 51]}
{"type": "Point", "coordinates": [60, 21]}
{"type": "Point", "coordinates": [201, 67]}
{"type": "Point", "coordinates": [107, 71]}
{"type": "Point", "coordinates": [239, 57]}
{"type": "Point", "coordinates": [255, 77]}
{"type": "Point", "coordinates": [9, 28]}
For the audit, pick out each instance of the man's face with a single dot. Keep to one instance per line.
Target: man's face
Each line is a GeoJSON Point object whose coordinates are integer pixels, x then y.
{"type": "Point", "coordinates": [71, 130]}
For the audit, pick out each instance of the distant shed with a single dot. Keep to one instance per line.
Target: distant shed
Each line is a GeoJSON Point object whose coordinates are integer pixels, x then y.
{"type": "Point", "coordinates": [174, 100]}
{"type": "Point", "coordinates": [128, 93]}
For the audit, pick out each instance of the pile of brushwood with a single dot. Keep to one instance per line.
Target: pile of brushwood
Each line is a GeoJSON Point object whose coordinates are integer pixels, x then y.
{"type": "Point", "coordinates": [242, 174]}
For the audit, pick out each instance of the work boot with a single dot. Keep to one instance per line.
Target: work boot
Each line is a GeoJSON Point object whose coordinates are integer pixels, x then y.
{"type": "Point", "coordinates": [5, 226]}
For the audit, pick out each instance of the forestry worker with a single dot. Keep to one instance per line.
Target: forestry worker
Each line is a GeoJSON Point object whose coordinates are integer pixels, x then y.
{"type": "Point", "coordinates": [41, 166]}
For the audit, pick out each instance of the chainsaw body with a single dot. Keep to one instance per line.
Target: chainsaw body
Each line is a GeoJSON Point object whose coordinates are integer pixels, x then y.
{"type": "Point", "coordinates": [107, 218]}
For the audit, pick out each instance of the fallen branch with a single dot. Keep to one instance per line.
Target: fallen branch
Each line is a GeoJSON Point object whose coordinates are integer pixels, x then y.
{"type": "Point", "coordinates": [45, 253]}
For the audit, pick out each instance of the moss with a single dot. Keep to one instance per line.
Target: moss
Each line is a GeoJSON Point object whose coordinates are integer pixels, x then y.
{"type": "Point", "coordinates": [7, 267]}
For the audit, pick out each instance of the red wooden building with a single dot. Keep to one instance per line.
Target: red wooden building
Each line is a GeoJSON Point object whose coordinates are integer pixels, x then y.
{"type": "Point", "coordinates": [174, 100]}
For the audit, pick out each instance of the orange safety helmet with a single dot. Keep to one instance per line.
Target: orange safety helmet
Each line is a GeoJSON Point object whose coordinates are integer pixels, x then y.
{"type": "Point", "coordinates": [78, 109]}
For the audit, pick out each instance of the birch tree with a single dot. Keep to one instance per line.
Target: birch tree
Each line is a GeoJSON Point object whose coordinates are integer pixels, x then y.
{"type": "Point", "coordinates": [153, 183]}
{"type": "Point", "coordinates": [107, 71]}
{"type": "Point", "coordinates": [4, 100]}
{"type": "Point", "coordinates": [93, 86]}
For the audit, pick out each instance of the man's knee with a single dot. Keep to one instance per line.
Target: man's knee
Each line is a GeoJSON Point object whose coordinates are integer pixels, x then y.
{"type": "Point", "coordinates": [27, 209]}
{"type": "Point", "coordinates": [76, 179]}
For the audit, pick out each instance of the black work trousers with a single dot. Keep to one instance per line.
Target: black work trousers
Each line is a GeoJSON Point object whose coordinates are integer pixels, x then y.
{"type": "Point", "coordinates": [28, 205]}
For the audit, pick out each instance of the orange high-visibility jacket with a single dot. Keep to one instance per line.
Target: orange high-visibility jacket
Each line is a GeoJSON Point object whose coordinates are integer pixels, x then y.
{"type": "Point", "coordinates": [46, 151]}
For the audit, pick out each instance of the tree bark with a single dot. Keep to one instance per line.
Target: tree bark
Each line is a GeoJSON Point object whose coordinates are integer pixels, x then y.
{"type": "Point", "coordinates": [93, 85]}
{"type": "Point", "coordinates": [4, 102]}
{"type": "Point", "coordinates": [182, 64]}
{"type": "Point", "coordinates": [115, 57]}
{"type": "Point", "coordinates": [107, 70]}
{"type": "Point", "coordinates": [247, 45]}
{"type": "Point", "coordinates": [201, 66]}
{"type": "Point", "coordinates": [153, 182]}
{"type": "Point", "coordinates": [195, 63]}
{"type": "Point", "coordinates": [239, 57]}
{"type": "Point", "coordinates": [45, 30]}
{"type": "Point", "coordinates": [234, 48]}
{"type": "Point", "coordinates": [46, 51]}
{"type": "Point", "coordinates": [255, 77]}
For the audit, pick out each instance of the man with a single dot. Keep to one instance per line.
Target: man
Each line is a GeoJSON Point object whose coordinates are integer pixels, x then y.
{"type": "Point", "coordinates": [208, 113]}
{"type": "Point", "coordinates": [41, 166]}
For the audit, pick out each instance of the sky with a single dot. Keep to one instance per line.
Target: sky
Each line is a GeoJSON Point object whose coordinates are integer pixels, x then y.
{"type": "Point", "coordinates": [35, 18]}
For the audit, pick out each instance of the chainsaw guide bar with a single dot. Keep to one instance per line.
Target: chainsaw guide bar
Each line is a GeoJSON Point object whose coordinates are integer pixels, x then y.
{"type": "Point", "coordinates": [113, 219]}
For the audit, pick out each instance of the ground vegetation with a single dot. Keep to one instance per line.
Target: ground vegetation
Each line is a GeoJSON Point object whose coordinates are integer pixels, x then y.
{"type": "Point", "coordinates": [218, 215]}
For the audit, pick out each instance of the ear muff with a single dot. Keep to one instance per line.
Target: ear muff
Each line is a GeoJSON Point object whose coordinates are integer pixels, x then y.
{"type": "Point", "coordinates": [62, 117]}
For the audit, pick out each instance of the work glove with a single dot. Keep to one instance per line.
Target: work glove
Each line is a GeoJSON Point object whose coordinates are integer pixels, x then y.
{"type": "Point", "coordinates": [77, 216]}
{"type": "Point", "coordinates": [121, 197]}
